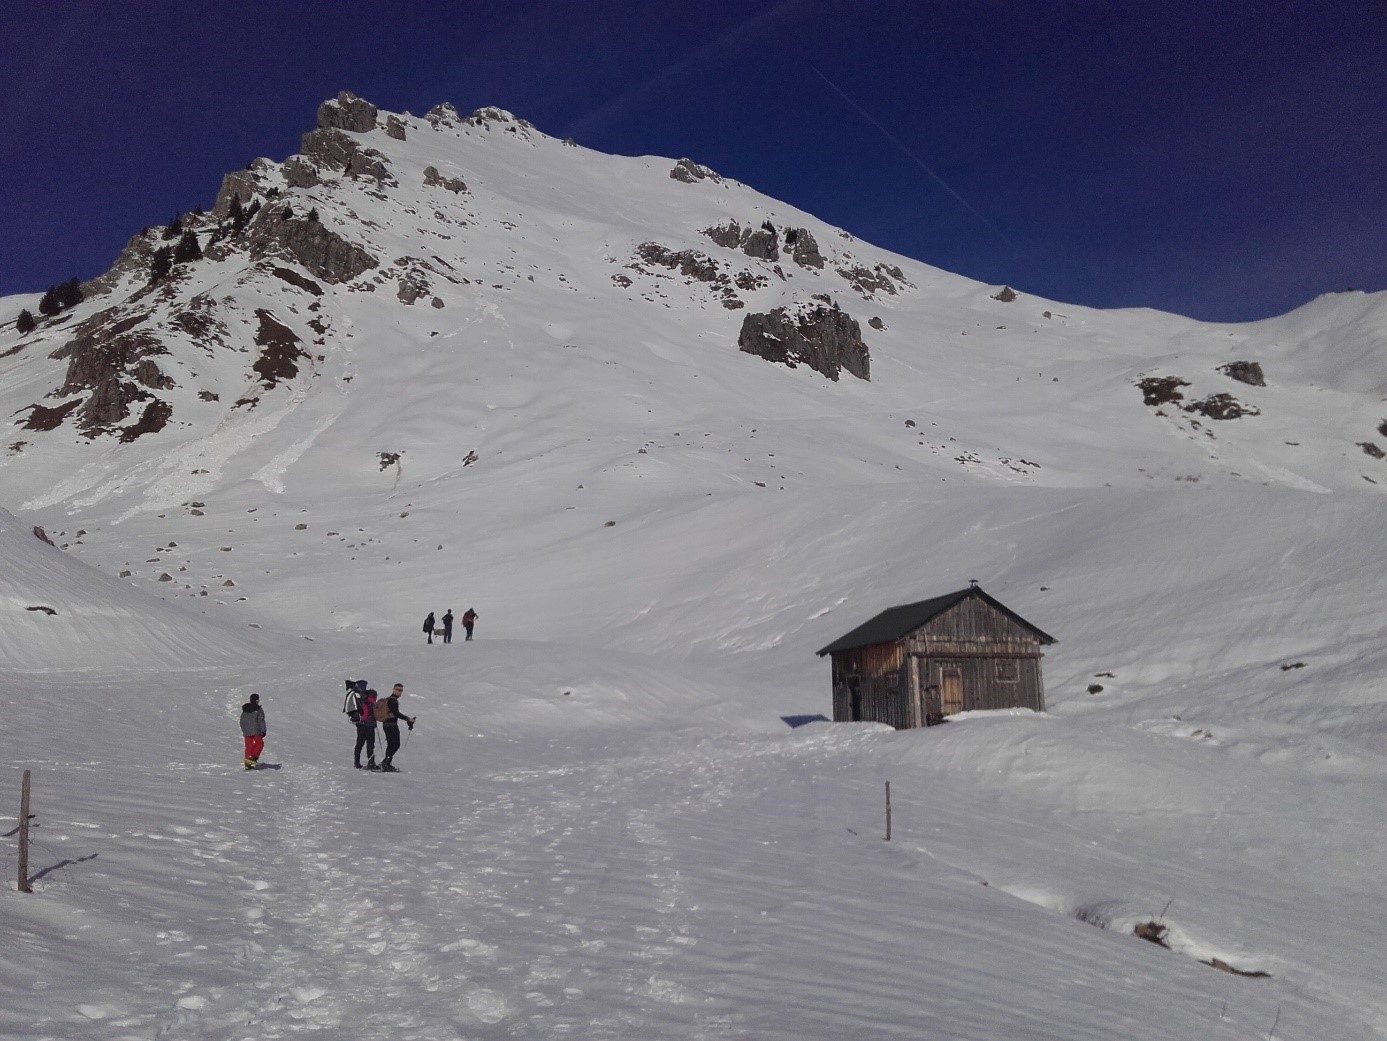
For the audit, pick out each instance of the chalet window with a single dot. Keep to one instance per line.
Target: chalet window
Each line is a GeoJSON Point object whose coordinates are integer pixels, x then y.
{"type": "Point", "coordinates": [1007, 672]}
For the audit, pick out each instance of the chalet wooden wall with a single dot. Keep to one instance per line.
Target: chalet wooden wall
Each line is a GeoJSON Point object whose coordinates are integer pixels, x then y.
{"type": "Point", "coordinates": [899, 683]}
{"type": "Point", "coordinates": [880, 676]}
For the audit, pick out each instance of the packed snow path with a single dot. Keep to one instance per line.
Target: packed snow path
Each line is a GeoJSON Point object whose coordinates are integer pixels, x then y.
{"type": "Point", "coordinates": [671, 880]}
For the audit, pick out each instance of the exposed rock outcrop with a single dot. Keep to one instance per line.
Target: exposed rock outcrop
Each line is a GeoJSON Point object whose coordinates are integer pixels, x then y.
{"type": "Point", "coordinates": [319, 251]}
{"type": "Point", "coordinates": [331, 149]}
{"type": "Point", "coordinates": [280, 352]}
{"type": "Point", "coordinates": [869, 281]}
{"type": "Point", "coordinates": [822, 336]}
{"type": "Point", "coordinates": [44, 418]}
{"type": "Point", "coordinates": [414, 283]}
{"type": "Point", "coordinates": [1222, 406]}
{"type": "Point", "coordinates": [1005, 295]}
{"type": "Point", "coordinates": [433, 178]}
{"type": "Point", "coordinates": [1249, 372]}
{"type": "Point", "coordinates": [395, 127]}
{"type": "Point", "coordinates": [347, 112]}
{"type": "Point", "coordinates": [804, 250]}
{"type": "Point", "coordinates": [1161, 390]}
{"type": "Point", "coordinates": [689, 262]}
{"type": "Point", "coordinates": [299, 173]}
{"type": "Point", "coordinates": [762, 243]}
{"type": "Point", "coordinates": [111, 361]}
{"type": "Point", "coordinates": [489, 117]}
{"type": "Point", "coordinates": [690, 172]}
{"type": "Point", "coordinates": [443, 114]}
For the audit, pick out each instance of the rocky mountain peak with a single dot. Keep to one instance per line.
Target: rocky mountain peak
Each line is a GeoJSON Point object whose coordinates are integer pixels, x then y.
{"type": "Point", "coordinates": [347, 111]}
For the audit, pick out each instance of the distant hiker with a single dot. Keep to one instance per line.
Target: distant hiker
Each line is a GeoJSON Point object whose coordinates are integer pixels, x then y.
{"type": "Point", "coordinates": [469, 619]}
{"type": "Point", "coordinates": [365, 720]}
{"type": "Point", "coordinates": [388, 712]}
{"type": "Point", "coordinates": [428, 626]}
{"type": "Point", "coordinates": [448, 626]}
{"type": "Point", "coordinates": [253, 729]}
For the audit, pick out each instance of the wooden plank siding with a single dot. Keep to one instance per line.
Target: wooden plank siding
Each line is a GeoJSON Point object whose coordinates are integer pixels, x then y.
{"type": "Point", "coordinates": [878, 672]}
{"type": "Point", "coordinates": [899, 683]}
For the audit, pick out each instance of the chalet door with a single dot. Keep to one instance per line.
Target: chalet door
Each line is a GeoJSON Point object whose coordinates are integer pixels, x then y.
{"type": "Point", "coordinates": [950, 691]}
{"type": "Point", "coordinates": [855, 691]}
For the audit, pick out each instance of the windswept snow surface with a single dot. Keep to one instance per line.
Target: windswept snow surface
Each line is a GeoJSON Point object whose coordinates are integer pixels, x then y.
{"type": "Point", "coordinates": [605, 828]}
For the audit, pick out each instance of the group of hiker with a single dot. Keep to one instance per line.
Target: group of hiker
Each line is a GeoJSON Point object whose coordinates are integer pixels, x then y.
{"type": "Point", "coordinates": [431, 627]}
{"type": "Point", "coordinates": [364, 708]}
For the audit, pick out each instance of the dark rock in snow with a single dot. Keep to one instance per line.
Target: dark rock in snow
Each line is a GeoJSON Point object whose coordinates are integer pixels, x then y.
{"type": "Point", "coordinates": [443, 114]}
{"type": "Point", "coordinates": [42, 418]}
{"type": "Point", "coordinates": [824, 337]}
{"type": "Point", "coordinates": [432, 177]}
{"type": "Point", "coordinates": [1249, 372]}
{"type": "Point", "coordinates": [869, 281]}
{"type": "Point", "coordinates": [1161, 390]}
{"type": "Point", "coordinates": [395, 127]}
{"type": "Point", "coordinates": [1222, 406]}
{"type": "Point", "coordinates": [804, 250]}
{"type": "Point", "coordinates": [347, 112]}
{"type": "Point", "coordinates": [299, 173]}
{"type": "Point", "coordinates": [1006, 294]}
{"type": "Point", "coordinates": [876, 323]}
{"type": "Point", "coordinates": [321, 252]}
{"type": "Point", "coordinates": [42, 535]}
{"type": "Point", "coordinates": [690, 172]}
{"type": "Point", "coordinates": [42, 609]}
{"type": "Point", "coordinates": [1371, 450]}
{"type": "Point", "coordinates": [111, 361]}
{"type": "Point", "coordinates": [334, 150]}
{"type": "Point", "coordinates": [297, 280]}
{"type": "Point", "coordinates": [154, 418]}
{"type": "Point", "coordinates": [280, 352]}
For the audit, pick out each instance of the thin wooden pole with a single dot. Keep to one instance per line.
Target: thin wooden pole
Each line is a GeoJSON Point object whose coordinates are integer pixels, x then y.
{"type": "Point", "coordinates": [888, 811]}
{"type": "Point", "coordinates": [24, 886]}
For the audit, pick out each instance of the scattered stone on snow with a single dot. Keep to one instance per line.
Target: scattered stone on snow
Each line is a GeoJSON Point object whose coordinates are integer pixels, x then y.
{"type": "Point", "coordinates": [1005, 295]}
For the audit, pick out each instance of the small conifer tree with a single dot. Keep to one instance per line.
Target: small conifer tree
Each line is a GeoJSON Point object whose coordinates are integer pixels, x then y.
{"type": "Point", "coordinates": [48, 303]}
{"type": "Point", "coordinates": [175, 228]}
{"type": "Point", "coordinates": [313, 215]}
{"type": "Point", "coordinates": [160, 265]}
{"type": "Point", "coordinates": [25, 323]}
{"type": "Point", "coordinates": [188, 249]}
{"type": "Point", "coordinates": [70, 294]}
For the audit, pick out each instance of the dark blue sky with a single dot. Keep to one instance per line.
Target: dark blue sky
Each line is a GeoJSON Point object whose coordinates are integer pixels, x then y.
{"type": "Point", "coordinates": [1223, 161]}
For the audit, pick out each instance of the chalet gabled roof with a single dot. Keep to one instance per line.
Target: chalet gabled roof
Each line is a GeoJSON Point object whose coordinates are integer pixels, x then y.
{"type": "Point", "coordinates": [896, 622]}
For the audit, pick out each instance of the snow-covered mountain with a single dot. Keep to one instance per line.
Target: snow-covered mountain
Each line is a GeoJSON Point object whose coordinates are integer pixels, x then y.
{"type": "Point", "coordinates": [669, 436]}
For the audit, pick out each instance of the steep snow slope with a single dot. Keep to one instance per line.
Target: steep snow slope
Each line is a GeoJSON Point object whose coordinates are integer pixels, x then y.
{"type": "Point", "coordinates": [606, 829]}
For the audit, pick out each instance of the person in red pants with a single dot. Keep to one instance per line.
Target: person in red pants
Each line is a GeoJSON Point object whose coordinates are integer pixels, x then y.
{"type": "Point", "coordinates": [253, 729]}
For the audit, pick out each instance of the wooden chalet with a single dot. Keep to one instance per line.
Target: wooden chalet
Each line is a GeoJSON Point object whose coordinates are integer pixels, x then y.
{"type": "Point", "coordinates": [917, 664]}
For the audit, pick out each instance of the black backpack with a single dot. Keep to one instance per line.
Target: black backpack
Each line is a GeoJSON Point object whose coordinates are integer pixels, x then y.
{"type": "Point", "coordinates": [351, 704]}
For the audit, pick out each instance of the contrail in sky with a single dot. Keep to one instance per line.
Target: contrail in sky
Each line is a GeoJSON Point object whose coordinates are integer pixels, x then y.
{"type": "Point", "coordinates": [743, 28]}
{"type": "Point", "coordinates": [914, 158]}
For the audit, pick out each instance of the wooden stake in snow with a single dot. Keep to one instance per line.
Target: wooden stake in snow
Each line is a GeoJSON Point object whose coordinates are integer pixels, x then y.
{"type": "Point", "coordinates": [888, 811]}
{"type": "Point", "coordinates": [24, 886]}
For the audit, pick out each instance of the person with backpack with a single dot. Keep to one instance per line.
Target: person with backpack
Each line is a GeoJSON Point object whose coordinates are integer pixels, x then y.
{"type": "Point", "coordinates": [469, 619]}
{"type": "Point", "coordinates": [388, 712]}
{"type": "Point", "coordinates": [360, 708]}
{"type": "Point", "coordinates": [448, 626]}
{"type": "Point", "coordinates": [428, 626]}
{"type": "Point", "coordinates": [253, 729]}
